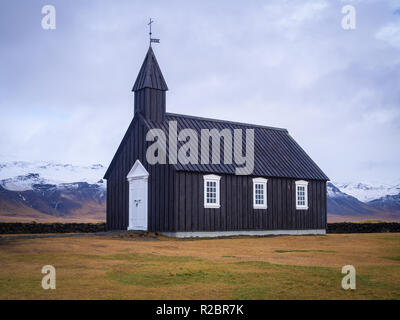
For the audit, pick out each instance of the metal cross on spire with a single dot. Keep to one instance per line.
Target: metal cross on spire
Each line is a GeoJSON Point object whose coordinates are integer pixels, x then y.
{"type": "Point", "coordinates": [152, 39]}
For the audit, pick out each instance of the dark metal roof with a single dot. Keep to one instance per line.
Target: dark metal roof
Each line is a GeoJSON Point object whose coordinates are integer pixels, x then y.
{"type": "Point", "coordinates": [150, 75]}
{"type": "Point", "coordinates": [276, 153]}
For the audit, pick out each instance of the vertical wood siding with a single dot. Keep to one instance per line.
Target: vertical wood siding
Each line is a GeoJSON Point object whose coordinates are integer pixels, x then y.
{"type": "Point", "coordinates": [151, 103]}
{"type": "Point", "coordinates": [236, 211]}
{"type": "Point", "coordinates": [161, 186]}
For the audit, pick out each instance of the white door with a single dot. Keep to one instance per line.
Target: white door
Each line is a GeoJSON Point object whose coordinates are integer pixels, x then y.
{"type": "Point", "coordinates": [138, 185]}
{"type": "Point", "coordinates": [138, 204]}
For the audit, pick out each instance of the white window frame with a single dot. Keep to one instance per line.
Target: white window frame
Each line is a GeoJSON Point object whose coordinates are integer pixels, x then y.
{"type": "Point", "coordinates": [302, 183]}
{"type": "Point", "coordinates": [263, 182]}
{"type": "Point", "coordinates": [212, 178]}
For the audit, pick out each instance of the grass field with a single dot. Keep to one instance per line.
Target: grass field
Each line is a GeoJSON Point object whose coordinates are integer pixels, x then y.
{"type": "Point", "coordinates": [132, 267]}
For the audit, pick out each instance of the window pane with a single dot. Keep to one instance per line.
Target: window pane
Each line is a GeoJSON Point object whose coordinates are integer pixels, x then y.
{"type": "Point", "coordinates": [259, 194]}
{"type": "Point", "coordinates": [301, 196]}
{"type": "Point", "coordinates": [211, 192]}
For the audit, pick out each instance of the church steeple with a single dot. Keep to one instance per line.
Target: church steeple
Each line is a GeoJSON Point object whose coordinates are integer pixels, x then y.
{"type": "Point", "coordinates": [150, 75]}
{"type": "Point", "coordinates": [150, 88]}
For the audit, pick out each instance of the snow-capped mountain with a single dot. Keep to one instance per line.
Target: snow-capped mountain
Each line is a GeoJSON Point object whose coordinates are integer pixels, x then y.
{"type": "Point", "coordinates": [23, 176]}
{"type": "Point", "coordinates": [389, 203]}
{"type": "Point", "coordinates": [366, 192]}
{"type": "Point", "coordinates": [48, 191]}
{"type": "Point", "coordinates": [340, 203]}
{"type": "Point", "coordinates": [346, 207]}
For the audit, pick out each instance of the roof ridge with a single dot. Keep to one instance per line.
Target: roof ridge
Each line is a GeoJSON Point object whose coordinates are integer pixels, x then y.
{"type": "Point", "coordinates": [225, 121]}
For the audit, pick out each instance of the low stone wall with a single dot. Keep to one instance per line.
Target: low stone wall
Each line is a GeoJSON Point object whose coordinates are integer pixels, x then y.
{"type": "Point", "coordinates": [347, 227]}
{"type": "Point", "coordinates": [17, 227]}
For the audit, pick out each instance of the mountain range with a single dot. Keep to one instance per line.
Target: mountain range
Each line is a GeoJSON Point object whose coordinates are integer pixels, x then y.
{"type": "Point", "coordinates": [47, 191]}
{"type": "Point", "coordinates": [345, 207]}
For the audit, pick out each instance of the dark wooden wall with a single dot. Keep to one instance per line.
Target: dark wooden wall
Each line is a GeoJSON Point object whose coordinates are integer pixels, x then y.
{"type": "Point", "coordinates": [236, 199]}
{"type": "Point", "coordinates": [161, 185]}
{"type": "Point", "coordinates": [151, 103]}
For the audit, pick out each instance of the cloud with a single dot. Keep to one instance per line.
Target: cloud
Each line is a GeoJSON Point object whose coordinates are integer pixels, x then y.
{"type": "Point", "coordinates": [390, 34]}
{"type": "Point", "coordinates": [289, 17]}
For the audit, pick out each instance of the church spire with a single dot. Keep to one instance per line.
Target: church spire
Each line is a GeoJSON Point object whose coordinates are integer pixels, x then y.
{"type": "Point", "coordinates": [150, 89]}
{"type": "Point", "coordinates": [150, 75]}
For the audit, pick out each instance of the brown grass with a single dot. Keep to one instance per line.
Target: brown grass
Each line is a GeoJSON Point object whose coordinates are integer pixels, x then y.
{"type": "Point", "coordinates": [380, 217]}
{"type": "Point", "coordinates": [285, 267]}
{"type": "Point", "coordinates": [89, 212]}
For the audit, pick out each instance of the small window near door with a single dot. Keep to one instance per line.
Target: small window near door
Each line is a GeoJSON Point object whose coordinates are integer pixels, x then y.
{"type": "Point", "coordinates": [211, 191]}
{"type": "Point", "coordinates": [260, 193]}
{"type": "Point", "coordinates": [301, 195]}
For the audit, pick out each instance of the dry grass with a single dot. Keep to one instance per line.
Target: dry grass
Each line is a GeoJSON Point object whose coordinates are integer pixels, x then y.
{"type": "Point", "coordinates": [285, 267]}
{"type": "Point", "coordinates": [89, 211]}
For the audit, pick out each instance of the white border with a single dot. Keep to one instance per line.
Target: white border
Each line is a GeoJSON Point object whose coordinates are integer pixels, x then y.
{"type": "Point", "coordinates": [304, 184]}
{"type": "Point", "coordinates": [214, 234]}
{"type": "Point", "coordinates": [211, 177]}
{"type": "Point", "coordinates": [263, 182]}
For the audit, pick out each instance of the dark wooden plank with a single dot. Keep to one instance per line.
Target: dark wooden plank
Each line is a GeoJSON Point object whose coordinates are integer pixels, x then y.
{"type": "Point", "coordinates": [207, 226]}
{"type": "Point", "coordinates": [229, 202]}
{"type": "Point", "coordinates": [109, 204]}
{"type": "Point", "coordinates": [156, 196]}
{"type": "Point", "coordinates": [188, 202]}
{"type": "Point", "coordinates": [250, 203]}
{"type": "Point", "coordinates": [234, 203]}
{"type": "Point", "coordinates": [182, 201]}
{"type": "Point", "coordinates": [319, 204]}
{"type": "Point", "coordinates": [200, 183]}
{"type": "Point", "coordinates": [244, 204]}
{"type": "Point", "coordinates": [279, 206]}
{"type": "Point", "coordinates": [239, 201]}
{"type": "Point", "coordinates": [293, 204]}
{"type": "Point", "coordinates": [323, 204]}
{"type": "Point", "coordinates": [268, 213]}
{"type": "Point", "coordinates": [276, 204]}
{"type": "Point", "coordinates": [289, 214]}
{"type": "Point", "coordinates": [161, 186]}
{"type": "Point", "coordinates": [171, 203]}
{"type": "Point", "coordinates": [315, 216]}
{"type": "Point", "coordinates": [118, 199]}
{"type": "Point", "coordinates": [217, 213]}
{"type": "Point", "coordinates": [166, 202]}
{"type": "Point", "coordinates": [125, 188]}
{"type": "Point", "coordinates": [223, 202]}
{"type": "Point", "coordinates": [284, 206]}
{"type": "Point", "coordinates": [176, 201]}
{"type": "Point", "coordinates": [195, 201]}
{"type": "Point", "coordinates": [114, 207]}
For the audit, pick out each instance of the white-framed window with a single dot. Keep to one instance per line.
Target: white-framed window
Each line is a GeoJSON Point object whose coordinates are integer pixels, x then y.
{"type": "Point", "coordinates": [301, 195]}
{"type": "Point", "coordinates": [260, 193]}
{"type": "Point", "coordinates": [211, 191]}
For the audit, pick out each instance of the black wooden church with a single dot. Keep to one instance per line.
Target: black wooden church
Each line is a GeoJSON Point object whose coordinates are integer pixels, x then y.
{"type": "Point", "coordinates": [284, 194]}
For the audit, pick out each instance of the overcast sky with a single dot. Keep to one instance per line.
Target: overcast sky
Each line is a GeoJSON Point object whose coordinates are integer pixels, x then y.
{"type": "Point", "coordinates": [65, 93]}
